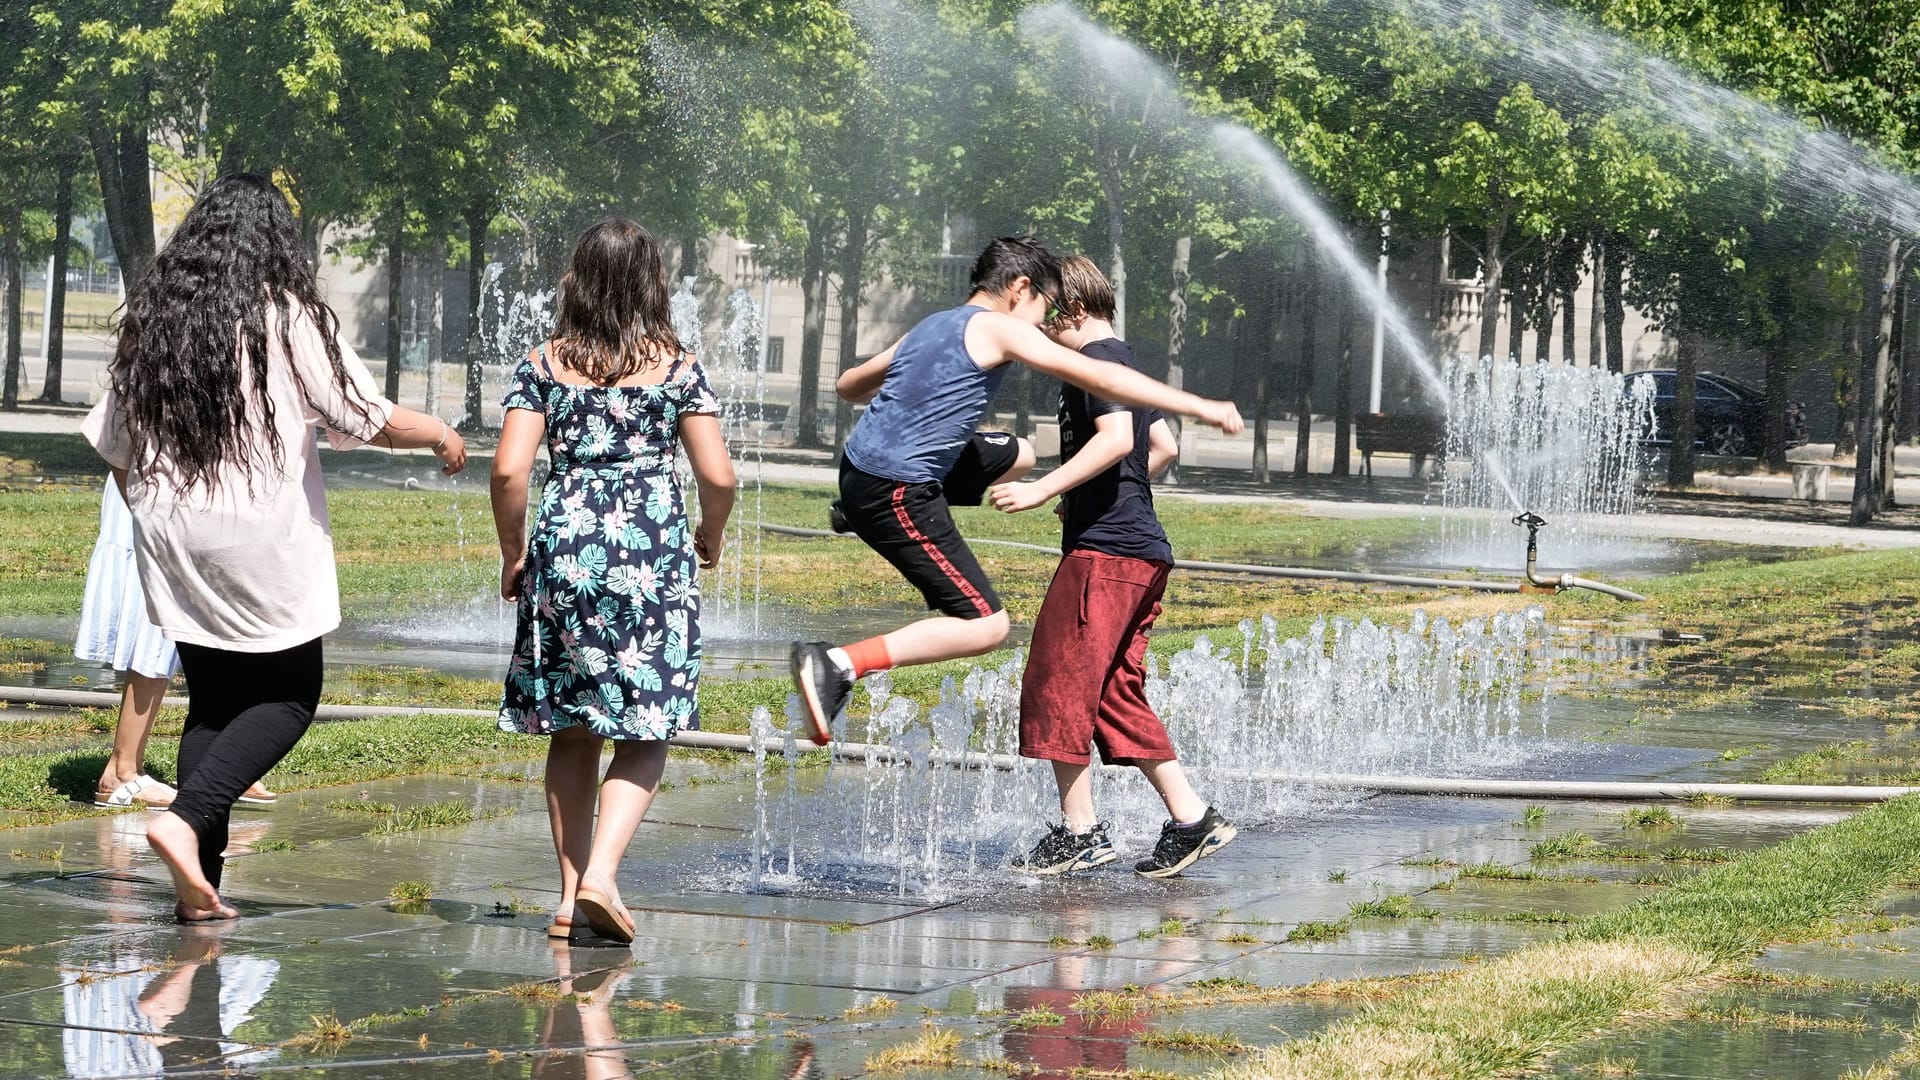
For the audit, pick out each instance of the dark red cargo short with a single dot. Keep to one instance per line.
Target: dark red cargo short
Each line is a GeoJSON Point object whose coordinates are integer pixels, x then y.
{"type": "Point", "coordinates": [1085, 683]}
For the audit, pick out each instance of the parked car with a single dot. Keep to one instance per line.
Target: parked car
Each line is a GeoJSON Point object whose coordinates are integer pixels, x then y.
{"type": "Point", "coordinates": [1730, 417]}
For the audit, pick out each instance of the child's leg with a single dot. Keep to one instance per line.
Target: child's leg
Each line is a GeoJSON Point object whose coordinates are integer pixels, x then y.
{"type": "Point", "coordinates": [573, 765]}
{"type": "Point", "coordinates": [1170, 780]}
{"type": "Point", "coordinates": [140, 698]}
{"type": "Point", "coordinates": [247, 710]}
{"type": "Point", "coordinates": [632, 778]}
{"type": "Point", "coordinates": [1075, 781]}
{"type": "Point", "coordinates": [942, 637]}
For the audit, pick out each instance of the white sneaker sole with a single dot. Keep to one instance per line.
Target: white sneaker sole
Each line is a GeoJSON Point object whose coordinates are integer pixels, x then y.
{"type": "Point", "coordinates": [803, 681]}
{"type": "Point", "coordinates": [1215, 840]}
{"type": "Point", "coordinates": [1084, 862]}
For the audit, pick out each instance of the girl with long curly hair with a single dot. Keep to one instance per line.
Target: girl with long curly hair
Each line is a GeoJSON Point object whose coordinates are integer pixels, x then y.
{"type": "Point", "coordinates": [227, 358]}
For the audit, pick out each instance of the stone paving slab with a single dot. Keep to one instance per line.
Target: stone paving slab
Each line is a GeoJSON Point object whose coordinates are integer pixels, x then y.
{"type": "Point", "coordinates": [727, 981]}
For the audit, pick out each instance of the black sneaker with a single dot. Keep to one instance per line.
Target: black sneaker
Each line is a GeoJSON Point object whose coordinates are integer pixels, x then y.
{"type": "Point", "coordinates": [824, 688]}
{"type": "Point", "coordinates": [1062, 850]}
{"type": "Point", "coordinates": [837, 519]}
{"type": "Point", "coordinates": [1180, 848]}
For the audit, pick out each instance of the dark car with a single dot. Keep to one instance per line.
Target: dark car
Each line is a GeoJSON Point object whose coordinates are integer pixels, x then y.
{"type": "Point", "coordinates": [1730, 417]}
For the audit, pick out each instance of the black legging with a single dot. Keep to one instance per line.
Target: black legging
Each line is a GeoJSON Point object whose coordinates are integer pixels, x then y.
{"type": "Point", "coordinates": [244, 712]}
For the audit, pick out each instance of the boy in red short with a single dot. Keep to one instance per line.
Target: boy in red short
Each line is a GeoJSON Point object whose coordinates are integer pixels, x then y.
{"type": "Point", "coordinates": [1085, 684]}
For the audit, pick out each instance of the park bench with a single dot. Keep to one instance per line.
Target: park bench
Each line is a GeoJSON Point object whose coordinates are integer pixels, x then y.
{"type": "Point", "coordinates": [1421, 435]}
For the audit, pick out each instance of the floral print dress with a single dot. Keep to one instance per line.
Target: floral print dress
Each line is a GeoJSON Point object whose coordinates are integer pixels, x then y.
{"type": "Point", "coordinates": [608, 632]}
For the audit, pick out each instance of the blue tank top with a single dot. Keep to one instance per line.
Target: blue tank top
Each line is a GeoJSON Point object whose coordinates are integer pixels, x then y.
{"type": "Point", "coordinates": [929, 404]}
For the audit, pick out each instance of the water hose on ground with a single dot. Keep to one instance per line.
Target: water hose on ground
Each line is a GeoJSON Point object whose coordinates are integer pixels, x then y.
{"type": "Point", "coordinates": [1632, 791]}
{"type": "Point", "coordinates": [1305, 572]}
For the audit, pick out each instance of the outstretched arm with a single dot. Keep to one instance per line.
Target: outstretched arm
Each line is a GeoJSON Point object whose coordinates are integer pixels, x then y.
{"type": "Point", "coordinates": [859, 383]}
{"type": "Point", "coordinates": [1019, 341]}
{"type": "Point", "coordinates": [1162, 448]}
{"type": "Point", "coordinates": [1112, 440]}
{"type": "Point", "coordinates": [713, 475]}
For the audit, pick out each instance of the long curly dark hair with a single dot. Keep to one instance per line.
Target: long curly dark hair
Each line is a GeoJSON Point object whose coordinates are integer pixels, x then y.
{"type": "Point", "coordinates": [200, 306]}
{"type": "Point", "coordinates": [615, 319]}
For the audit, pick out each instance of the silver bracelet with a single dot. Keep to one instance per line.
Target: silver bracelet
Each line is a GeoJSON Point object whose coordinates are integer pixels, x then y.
{"type": "Point", "coordinates": [443, 434]}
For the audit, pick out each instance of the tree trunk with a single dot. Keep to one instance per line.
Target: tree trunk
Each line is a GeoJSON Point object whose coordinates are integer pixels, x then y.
{"type": "Point", "coordinates": [1113, 185]}
{"type": "Point", "coordinates": [1909, 379]}
{"type": "Point", "coordinates": [1494, 262]}
{"type": "Point", "coordinates": [1596, 323]}
{"type": "Point", "coordinates": [1343, 387]}
{"type": "Point", "coordinates": [1773, 434]}
{"type": "Point", "coordinates": [436, 325]}
{"type": "Point", "coordinates": [853, 268]}
{"type": "Point", "coordinates": [56, 328]}
{"type": "Point", "coordinates": [1303, 383]}
{"type": "Point", "coordinates": [1614, 302]}
{"type": "Point", "coordinates": [1680, 458]}
{"type": "Point", "coordinates": [1543, 332]}
{"type": "Point", "coordinates": [478, 215]}
{"type": "Point", "coordinates": [690, 259]}
{"type": "Point", "coordinates": [1177, 335]}
{"type": "Point", "coordinates": [813, 329]}
{"type": "Point", "coordinates": [1259, 346]}
{"type": "Point", "coordinates": [121, 160]}
{"type": "Point", "coordinates": [1872, 480]}
{"type": "Point", "coordinates": [1516, 325]}
{"type": "Point", "coordinates": [1844, 367]}
{"type": "Point", "coordinates": [396, 265]}
{"type": "Point", "coordinates": [10, 277]}
{"type": "Point", "coordinates": [1569, 289]}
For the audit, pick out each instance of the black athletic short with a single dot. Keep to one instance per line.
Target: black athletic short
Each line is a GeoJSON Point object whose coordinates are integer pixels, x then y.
{"type": "Point", "coordinates": [985, 458]}
{"type": "Point", "coordinates": [908, 524]}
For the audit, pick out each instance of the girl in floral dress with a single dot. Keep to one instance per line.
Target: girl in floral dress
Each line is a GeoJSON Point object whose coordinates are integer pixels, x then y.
{"type": "Point", "coordinates": [608, 638]}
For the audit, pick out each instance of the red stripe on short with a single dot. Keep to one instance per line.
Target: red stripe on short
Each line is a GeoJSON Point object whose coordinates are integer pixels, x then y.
{"type": "Point", "coordinates": [933, 552]}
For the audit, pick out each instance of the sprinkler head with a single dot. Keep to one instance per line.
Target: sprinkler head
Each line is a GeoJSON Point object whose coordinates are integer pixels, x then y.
{"type": "Point", "coordinates": [1530, 519]}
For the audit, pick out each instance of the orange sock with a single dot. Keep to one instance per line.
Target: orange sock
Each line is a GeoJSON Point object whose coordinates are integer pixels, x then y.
{"type": "Point", "coordinates": [868, 655]}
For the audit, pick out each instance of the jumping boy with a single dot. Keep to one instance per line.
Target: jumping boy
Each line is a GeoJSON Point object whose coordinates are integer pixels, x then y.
{"type": "Point", "coordinates": [1086, 677]}
{"type": "Point", "coordinates": [928, 392]}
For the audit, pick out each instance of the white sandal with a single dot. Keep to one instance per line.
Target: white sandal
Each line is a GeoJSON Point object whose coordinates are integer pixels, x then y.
{"type": "Point", "coordinates": [128, 794]}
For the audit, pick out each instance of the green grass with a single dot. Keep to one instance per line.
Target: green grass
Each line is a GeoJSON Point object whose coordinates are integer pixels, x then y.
{"type": "Point", "coordinates": [1507, 1016]}
{"type": "Point", "coordinates": [410, 892]}
{"type": "Point", "coordinates": [1312, 932]}
{"type": "Point", "coordinates": [435, 815]}
{"type": "Point", "coordinates": [1649, 817]}
{"type": "Point", "coordinates": [1392, 906]}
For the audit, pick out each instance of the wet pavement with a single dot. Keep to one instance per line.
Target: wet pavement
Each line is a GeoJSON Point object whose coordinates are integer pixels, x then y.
{"type": "Point", "coordinates": [326, 971]}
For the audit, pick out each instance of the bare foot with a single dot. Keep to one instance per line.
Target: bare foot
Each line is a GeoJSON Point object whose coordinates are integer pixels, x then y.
{"type": "Point", "coordinates": [176, 843]}
{"type": "Point", "coordinates": [219, 912]}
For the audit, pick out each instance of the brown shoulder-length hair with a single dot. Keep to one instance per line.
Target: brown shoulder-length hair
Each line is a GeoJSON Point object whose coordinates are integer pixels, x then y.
{"type": "Point", "coordinates": [614, 321]}
{"type": "Point", "coordinates": [1084, 289]}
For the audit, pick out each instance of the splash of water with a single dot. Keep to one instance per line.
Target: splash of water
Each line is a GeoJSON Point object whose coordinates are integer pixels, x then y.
{"type": "Point", "coordinates": [1565, 56]}
{"type": "Point", "coordinates": [1152, 92]}
{"type": "Point", "coordinates": [940, 800]}
{"type": "Point", "coordinates": [1577, 440]}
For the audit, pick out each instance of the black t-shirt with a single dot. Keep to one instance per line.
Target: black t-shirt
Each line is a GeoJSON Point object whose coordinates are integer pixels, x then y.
{"type": "Point", "coordinates": [1113, 511]}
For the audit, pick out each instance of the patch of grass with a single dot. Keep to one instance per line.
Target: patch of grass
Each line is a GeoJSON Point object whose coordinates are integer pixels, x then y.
{"type": "Point", "coordinates": [434, 815]}
{"type": "Point", "coordinates": [1649, 817]}
{"type": "Point", "coordinates": [361, 806]}
{"type": "Point", "coordinates": [1507, 1015]}
{"type": "Point", "coordinates": [935, 1048]}
{"type": "Point", "coordinates": [410, 892]}
{"type": "Point", "coordinates": [1431, 861]}
{"type": "Point", "coordinates": [1533, 817]}
{"type": "Point", "coordinates": [1037, 1017]}
{"type": "Point", "coordinates": [271, 844]}
{"type": "Point", "coordinates": [1498, 871]}
{"type": "Point", "coordinates": [1239, 938]}
{"type": "Point", "coordinates": [841, 928]}
{"type": "Point", "coordinates": [1391, 906]}
{"type": "Point", "coordinates": [1181, 1040]}
{"type": "Point", "coordinates": [1571, 845]}
{"type": "Point", "coordinates": [1172, 927]}
{"type": "Point", "coordinates": [1099, 941]}
{"type": "Point", "coordinates": [1337, 876]}
{"type": "Point", "coordinates": [1059, 941]}
{"type": "Point", "coordinates": [536, 990]}
{"type": "Point", "coordinates": [327, 1031]}
{"type": "Point", "coordinates": [1311, 932]}
{"type": "Point", "coordinates": [877, 1005]}
{"type": "Point", "coordinates": [1111, 1004]}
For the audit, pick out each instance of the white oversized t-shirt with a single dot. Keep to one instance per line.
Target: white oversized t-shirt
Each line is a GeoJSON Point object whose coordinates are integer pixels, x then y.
{"type": "Point", "coordinates": [248, 565]}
